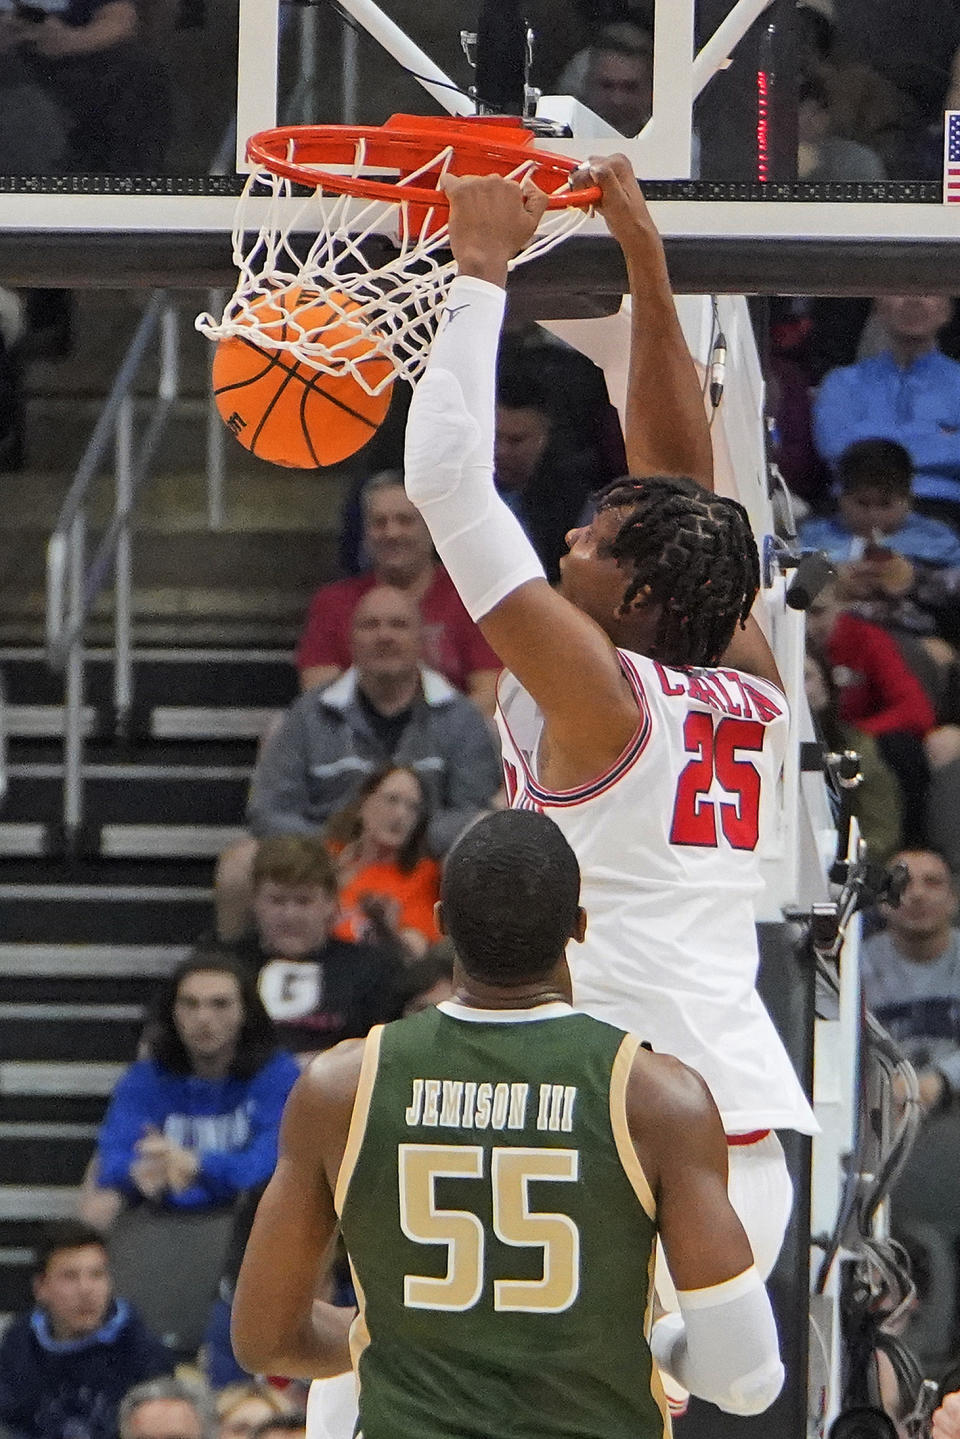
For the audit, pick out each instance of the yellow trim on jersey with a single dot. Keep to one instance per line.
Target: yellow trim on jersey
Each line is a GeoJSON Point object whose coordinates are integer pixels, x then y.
{"type": "Point", "coordinates": [656, 1383]}
{"type": "Point", "coordinates": [358, 1118]}
{"type": "Point", "coordinates": [359, 1336]}
{"type": "Point", "coordinates": [619, 1076]}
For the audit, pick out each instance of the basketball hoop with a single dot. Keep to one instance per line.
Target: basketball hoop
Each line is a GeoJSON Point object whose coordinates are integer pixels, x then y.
{"type": "Point", "coordinates": [361, 183]}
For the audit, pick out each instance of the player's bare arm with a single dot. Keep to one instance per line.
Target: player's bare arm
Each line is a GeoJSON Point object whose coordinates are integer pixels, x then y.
{"type": "Point", "coordinates": [722, 1342]}
{"type": "Point", "coordinates": [277, 1325]}
{"type": "Point", "coordinates": [666, 427]}
{"type": "Point", "coordinates": [679, 1139]}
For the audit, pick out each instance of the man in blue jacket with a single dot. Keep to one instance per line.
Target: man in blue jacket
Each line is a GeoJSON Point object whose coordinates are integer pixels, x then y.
{"type": "Point", "coordinates": [66, 1364]}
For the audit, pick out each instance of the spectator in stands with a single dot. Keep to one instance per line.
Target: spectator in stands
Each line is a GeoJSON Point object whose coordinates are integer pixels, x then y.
{"type": "Point", "coordinates": [879, 695]}
{"type": "Point", "coordinates": [911, 976]}
{"type": "Point", "coordinates": [195, 1124]}
{"type": "Point", "coordinates": [400, 554]}
{"type": "Point", "coordinates": [32, 136]}
{"type": "Point", "coordinates": [822, 154]}
{"type": "Point", "coordinates": [863, 104]}
{"type": "Point", "coordinates": [876, 800]}
{"type": "Point", "coordinates": [168, 1409]}
{"type": "Point", "coordinates": [912, 45]}
{"type": "Point", "coordinates": [386, 878]}
{"type": "Point", "coordinates": [66, 1364]}
{"type": "Point", "coordinates": [942, 747]}
{"type": "Point", "coordinates": [429, 980]}
{"type": "Point", "coordinates": [243, 1407]}
{"type": "Point", "coordinates": [584, 426]}
{"type": "Point", "coordinates": [909, 393]}
{"type": "Point", "coordinates": [90, 58]}
{"type": "Point", "coordinates": [387, 709]}
{"type": "Point", "coordinates": [317, 989]}
{"type": "Point", "coordinates": [282, 1426]}
{"type": "Point", "coordinates": [545, 485]}
{"type": "Point", "coordinates": [874, 480]}
{"type": "Point", "coordinates": [613, 77]}
{"type": "Point", "coordinates": [895, 568]}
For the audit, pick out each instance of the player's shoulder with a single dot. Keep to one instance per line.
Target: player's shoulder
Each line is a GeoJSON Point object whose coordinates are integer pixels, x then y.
{"type": "Point", "coordinates": [331, 1078]}
{"type": "Point", "coordinates": [667, 1094]}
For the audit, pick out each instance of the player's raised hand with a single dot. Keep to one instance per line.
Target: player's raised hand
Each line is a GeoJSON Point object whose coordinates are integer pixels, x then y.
{"type": "Point", "coordinates": [946, 1420]}
{"type": "Point", "coordinates": [491, 219]}
{"type": "Point", "coordinates": [622, 204]}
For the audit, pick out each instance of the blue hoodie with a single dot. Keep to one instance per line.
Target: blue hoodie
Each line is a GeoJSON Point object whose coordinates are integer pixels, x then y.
{"type": "Point", "coordinates": [70, 1388]}
{"type": "Point", "coordinates": [232, 1123]}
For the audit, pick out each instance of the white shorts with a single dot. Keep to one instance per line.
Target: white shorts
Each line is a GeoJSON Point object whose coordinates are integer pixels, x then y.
{"type": "Point", "coordinates": [761, 1192]}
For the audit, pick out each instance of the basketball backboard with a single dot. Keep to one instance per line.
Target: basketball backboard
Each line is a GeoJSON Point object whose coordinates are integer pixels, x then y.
{"type": "Point", "coordinates": [716, 127]}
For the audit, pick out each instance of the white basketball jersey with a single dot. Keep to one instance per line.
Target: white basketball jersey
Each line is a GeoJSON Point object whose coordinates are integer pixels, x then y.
{"type": "Point", "coordinates": [669, 841]}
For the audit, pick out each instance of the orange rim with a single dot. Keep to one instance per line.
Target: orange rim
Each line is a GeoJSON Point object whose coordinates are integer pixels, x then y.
{"type": "Point", "coordinates": [409, 143]}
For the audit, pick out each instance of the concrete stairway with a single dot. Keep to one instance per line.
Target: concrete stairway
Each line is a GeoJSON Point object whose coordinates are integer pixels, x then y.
{"type": "Point", "coordinates": [84, 940]}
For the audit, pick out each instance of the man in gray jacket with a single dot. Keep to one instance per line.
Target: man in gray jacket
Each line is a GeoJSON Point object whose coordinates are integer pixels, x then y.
{"type": "Point", "coordinates": [386, 708]}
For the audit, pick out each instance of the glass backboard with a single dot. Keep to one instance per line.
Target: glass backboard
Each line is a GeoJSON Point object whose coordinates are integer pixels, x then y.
{"type": "Point", "coordinates": [766, 127]}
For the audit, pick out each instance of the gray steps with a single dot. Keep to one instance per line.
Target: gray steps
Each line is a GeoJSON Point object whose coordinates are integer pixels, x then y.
{"type": "Point", "coordinates": [130, 841]}
{"type": "Point", "coordinates": [87, 938]}
{"type": "Point", "coordinates": [117, 913]}
{"type": "Point", "coordinates": [106, 961]}
{"type": "Point", "coordinates": [37, 1202]}
{"type": "Point", "coordinates": [55, 1077]}
{"type": "Point", "coordinates": [45, 1154]}
{"type": "Point", "coordinates": [76, 1032]}
{"type": "Point", "coordinates": [168, 722]}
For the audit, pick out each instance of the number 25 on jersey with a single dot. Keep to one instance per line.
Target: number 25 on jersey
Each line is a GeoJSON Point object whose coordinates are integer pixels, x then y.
{"type": "Point", "coordinates": [699, 819]}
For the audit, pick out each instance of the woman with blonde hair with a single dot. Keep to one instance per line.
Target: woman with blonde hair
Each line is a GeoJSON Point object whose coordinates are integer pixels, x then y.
{"type": "Point", "coordinates": [242, 1407]}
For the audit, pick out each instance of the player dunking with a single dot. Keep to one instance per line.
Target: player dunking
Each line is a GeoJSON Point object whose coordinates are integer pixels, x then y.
{"type": "Point", "coordinates": [500, 1166]}
{"type": "Point", "coordinates": [642, 708]}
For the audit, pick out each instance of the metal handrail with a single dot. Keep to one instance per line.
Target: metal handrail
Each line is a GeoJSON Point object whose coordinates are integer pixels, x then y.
{"type": "Point", "coordinates": [86, 471]}
{"type": "Point", "coordinates": [72, 589]}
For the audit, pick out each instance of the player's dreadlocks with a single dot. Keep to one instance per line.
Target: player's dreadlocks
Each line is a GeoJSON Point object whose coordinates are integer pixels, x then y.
{"type": "Point", "coordinates": [696, 553]}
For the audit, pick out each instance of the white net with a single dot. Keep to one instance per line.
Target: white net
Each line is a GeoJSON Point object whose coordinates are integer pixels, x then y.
{"type": "Point", "coordinates": [319, 281]}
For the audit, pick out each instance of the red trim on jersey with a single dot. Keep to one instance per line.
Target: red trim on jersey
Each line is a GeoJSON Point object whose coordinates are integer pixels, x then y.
{"type": "Point", "coordinates": [754, 1136]}
{"type": "Point", "coordinates": [624, 761]}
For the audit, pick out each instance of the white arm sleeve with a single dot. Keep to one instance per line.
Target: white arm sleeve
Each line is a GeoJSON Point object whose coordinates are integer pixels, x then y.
{"type": "Point", "coordinates": [448, 461]}
{"type": "Point", "coordinates": [723, 1345]}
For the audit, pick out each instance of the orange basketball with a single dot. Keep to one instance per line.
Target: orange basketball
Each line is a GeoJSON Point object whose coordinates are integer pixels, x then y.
{"type": "Point", "coordinates": [285, 410]}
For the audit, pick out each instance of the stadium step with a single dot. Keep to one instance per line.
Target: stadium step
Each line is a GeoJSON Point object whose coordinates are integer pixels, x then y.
{"type": "Point", "coordinates": [216, 678]}
{"type": "Point", "coordinates": [88, 935]}
{"type": "Point", "coordinates": [128, 841]}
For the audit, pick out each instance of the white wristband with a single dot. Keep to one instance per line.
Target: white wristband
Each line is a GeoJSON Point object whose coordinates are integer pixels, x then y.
{"type": "Point", "coordinates": [723, 1345]}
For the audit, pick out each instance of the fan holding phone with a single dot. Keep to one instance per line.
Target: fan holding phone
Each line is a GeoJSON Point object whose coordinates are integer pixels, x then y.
{"type": "Point", "coordinates": [896, 568]}
{"type": "Point", "coordinates": [91, 61]}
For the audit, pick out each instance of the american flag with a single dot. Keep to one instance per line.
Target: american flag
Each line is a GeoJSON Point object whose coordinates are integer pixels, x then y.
{"type": "Point", "coordinates": [951, 158]}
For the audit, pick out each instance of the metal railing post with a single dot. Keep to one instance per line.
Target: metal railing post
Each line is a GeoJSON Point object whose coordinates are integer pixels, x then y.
{"type": "Point", "coordinates": [123, 567]}
{"type": "Point", "coordinates": [216, 440]}
{"type": "Point", "coordinates": [73, 736]}
{"type": "Point", "coordinates": [349, 75]}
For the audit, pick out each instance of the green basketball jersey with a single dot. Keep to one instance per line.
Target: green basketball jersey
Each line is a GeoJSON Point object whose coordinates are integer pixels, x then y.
{"type": "Point", "coordinates": [500, 1230]}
